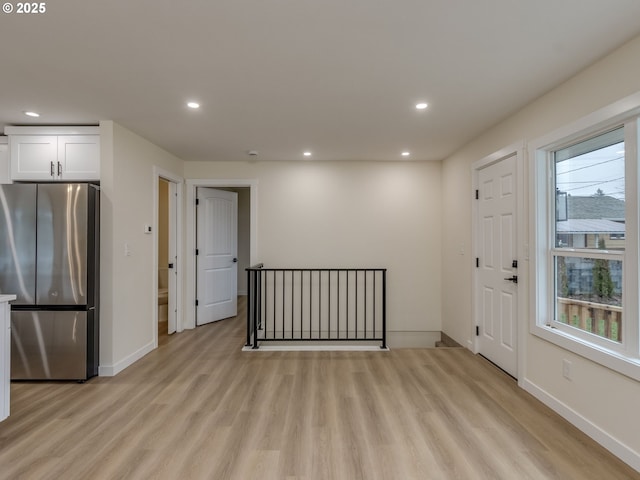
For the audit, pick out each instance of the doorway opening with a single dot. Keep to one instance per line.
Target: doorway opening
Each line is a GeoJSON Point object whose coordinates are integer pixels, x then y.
{"type": "Point", "coordinates": [167, 270]}
{"type": "Point", "coordinates": [247, 191]}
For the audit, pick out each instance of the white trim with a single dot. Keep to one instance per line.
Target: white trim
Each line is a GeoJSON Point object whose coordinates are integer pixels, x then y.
{"type": "Point", "coordinates": [395, 339]}
{"type": "Point", "coordinates": [190, 260]}
{"type": "Point", "coordinates": [159, 173]}
{"type": "Point", "coordinates": [113, 370]}
{"type": "Point", "coordinates": [316, 348]}
{"type": "Point", "coordinates": [615, 446]}
{"type": "Point", "coordinates": [631, 330]}
{"type": "Point", "coordinates": [516, 148]}
{"type": "Point", "coordinates": [522, 248]}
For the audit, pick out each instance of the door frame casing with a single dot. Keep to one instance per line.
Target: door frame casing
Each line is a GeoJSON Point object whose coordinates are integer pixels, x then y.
{"type": "Point", "coordinates": [189, 320]}
{"type": "Point", "coordinates": [159, 173]}
{"type": "Point", "coordinates": [522, 249]}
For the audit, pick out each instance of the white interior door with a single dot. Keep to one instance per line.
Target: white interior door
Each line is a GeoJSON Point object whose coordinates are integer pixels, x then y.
{"type": "Point", "coordinates": [217, 251]}
{"type": "Point", "coordinates": [496, 287]}
{"type": "Point", "coordinates": [172, 284]}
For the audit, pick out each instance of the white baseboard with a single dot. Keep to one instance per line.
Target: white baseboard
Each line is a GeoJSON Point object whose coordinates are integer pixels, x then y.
{"type": "Point", "coordinates": [316, 348]}
{"type": "Point", "coordinates": [113, 370]}
{"type": "Point", "coordinates": [394, 340]}
{"type": "Point", "coordinates": [412, 339]}
{"type": "Point", "coordinates": [615, 446]}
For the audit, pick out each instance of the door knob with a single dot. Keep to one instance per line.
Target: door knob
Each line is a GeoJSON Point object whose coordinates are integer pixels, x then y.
{"type": "Point", "coordinates": [513, 279]}
{"type": "Point", "coordinates": [235, 260]}
{"type": "Point", "coordinates": [171, 265]}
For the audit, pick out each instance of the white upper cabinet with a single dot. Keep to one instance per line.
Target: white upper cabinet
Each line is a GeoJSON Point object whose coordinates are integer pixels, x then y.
{"type": "Point", "coordinates": [33, 157]}
{"type": "Point", "coordinates": [54, 153]}
{"type": "Point", "coordinates": [79, 156]}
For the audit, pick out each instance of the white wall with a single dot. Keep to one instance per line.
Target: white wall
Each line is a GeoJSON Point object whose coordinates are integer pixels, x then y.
{"type": "Point", "coordinates": [128, 283]}
{"type": "Point", "coordinates": [353, 214]}
{"type": "Point", "coordinates": [600, 401]}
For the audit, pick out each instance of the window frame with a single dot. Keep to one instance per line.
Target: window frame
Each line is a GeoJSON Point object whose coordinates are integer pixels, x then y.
{"type": "Point", "coordinates": [622, 357]}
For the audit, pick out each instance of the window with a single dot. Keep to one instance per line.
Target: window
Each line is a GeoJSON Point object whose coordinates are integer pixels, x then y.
{"type": "Point", "coordinates": [589, 181]}
{"type": "Point", "coordinates": [585, 236]}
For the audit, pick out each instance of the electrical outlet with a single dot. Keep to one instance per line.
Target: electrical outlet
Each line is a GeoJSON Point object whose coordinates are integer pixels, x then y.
{"type": "Point", "coordinates": [566, 369]}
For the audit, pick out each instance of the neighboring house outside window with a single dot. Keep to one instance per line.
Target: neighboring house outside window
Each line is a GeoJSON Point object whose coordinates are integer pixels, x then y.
{"type": "Point", "coordinates": [592, 222]}
{"type": "Point", "coordinates": [588, 268]}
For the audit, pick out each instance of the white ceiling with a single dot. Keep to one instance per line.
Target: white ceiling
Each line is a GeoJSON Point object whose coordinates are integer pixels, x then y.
{"type": "Point", "coordinates": [337, 77]}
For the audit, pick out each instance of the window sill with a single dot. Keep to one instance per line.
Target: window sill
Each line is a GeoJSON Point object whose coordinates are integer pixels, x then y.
{"type": "Point", "coordinates": [629, 367]}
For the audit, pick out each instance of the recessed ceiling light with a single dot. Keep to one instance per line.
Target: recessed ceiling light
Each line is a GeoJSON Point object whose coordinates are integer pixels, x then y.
{"type": "Point", "coordinates": [32, 114]}
{"type": "Point", "coordinates": [405, 154]}
{"type": "Point", "coordinates": [307, 154]}
{"type": "Point", "coordinates": [193, 105]}
{"type": "Point", "coordinates": [421, 106]}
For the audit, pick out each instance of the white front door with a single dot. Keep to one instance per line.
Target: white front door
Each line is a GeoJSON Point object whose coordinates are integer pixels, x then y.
{"type": "Point", "coordinates": [496, 280]}
{"type": "Point", "coordinates": [172, 307]}
{"type": "Point", "coordinates": [217, 251]}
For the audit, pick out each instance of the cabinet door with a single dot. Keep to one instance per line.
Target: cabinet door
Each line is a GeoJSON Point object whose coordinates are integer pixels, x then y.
{"type": "Point", "coordinates": [79, 156]}
{"type": "Point", "coordinates": [33, 157]}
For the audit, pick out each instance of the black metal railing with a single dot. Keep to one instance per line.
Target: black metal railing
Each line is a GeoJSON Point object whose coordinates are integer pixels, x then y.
{"type": "Point", "coordinates": [316, 305]}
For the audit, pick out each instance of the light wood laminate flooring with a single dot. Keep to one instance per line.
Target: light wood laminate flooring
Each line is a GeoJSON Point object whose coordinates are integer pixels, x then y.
{"type": "Point", "coordinates": [200, 408]}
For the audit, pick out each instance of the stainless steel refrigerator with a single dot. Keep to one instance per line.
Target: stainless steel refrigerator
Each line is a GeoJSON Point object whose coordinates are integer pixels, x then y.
{"type": "Point", "coordinates": [49, 258]}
